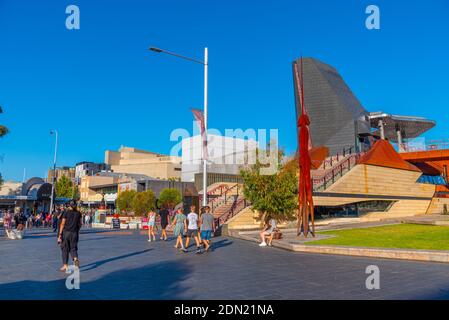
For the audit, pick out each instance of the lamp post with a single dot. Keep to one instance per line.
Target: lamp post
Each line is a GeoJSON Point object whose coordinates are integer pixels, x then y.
{"type": "Point", "coordinates": [55, 132]}
{"type": "Point", "coordinates": [205, 63]}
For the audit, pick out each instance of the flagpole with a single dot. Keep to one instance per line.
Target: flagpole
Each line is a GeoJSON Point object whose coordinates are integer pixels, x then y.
{"type": "Point", "coordinates": [205, 126]}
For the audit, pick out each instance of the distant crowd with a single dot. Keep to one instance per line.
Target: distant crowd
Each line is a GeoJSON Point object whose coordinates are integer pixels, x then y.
{"type": "Point", "coordinates": [22, 220]}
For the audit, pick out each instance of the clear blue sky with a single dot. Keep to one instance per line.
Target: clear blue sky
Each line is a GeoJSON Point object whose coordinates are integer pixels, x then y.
{"type": "Point", "coordinates": [101, 88]}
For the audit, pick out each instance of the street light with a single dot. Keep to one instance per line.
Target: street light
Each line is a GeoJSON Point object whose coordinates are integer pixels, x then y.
{"type": "Point", "coordinates": [205, 64]}
{"type": "Point", "coordinates": [55, 132]}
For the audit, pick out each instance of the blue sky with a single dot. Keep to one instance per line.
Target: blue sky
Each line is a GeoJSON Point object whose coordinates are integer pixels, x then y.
{"type": "Point", "coordinates": [101, 87]}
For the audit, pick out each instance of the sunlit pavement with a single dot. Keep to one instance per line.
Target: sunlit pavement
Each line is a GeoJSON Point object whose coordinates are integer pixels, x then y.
{"type": "Point", "coordinates": [123, 265]}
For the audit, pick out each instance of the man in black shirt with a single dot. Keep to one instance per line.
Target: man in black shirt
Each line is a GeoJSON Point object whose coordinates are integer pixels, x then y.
{"type": "Point", "coordinates": [68, 235]}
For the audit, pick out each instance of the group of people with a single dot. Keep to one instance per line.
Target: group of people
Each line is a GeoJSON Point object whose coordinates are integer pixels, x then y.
{"type": "Point", "coordinates": [199, 227]}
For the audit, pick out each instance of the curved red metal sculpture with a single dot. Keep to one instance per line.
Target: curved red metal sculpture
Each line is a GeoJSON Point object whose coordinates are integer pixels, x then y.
{"type": "Point", "coordinates": [305, 193]}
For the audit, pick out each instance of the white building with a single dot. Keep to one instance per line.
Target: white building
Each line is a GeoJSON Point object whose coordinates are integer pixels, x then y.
{"type": "Point", "coordinates": [225, 155]}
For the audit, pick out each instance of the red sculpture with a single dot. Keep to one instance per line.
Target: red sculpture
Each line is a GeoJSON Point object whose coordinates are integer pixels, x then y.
{"type": "Point", "coordinates": [305, 196]}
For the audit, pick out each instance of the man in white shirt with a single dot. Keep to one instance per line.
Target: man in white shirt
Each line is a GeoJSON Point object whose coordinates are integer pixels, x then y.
{"type": "Point", "coordinates": [192, 229]}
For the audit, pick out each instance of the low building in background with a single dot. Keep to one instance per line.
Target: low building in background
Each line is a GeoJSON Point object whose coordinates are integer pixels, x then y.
{"type": "Point", "coordinates": [30, 197]}
{"type": "Point", "coordinates": [135, 161]}
{"type": "Point", "coordinates": [104, 187]}
{"type": "Point", "coordinates": [69, 172]}
{"type": "Point", "coordinates": [92, 189]}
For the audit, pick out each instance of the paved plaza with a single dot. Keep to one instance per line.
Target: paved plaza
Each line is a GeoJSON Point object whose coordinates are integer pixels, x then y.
{"type": "Point", "coordinates": [123, 265]}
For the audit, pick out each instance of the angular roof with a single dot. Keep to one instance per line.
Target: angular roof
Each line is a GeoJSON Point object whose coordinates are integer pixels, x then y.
{"type": "Point", "coordinates": [411, 127]}
{"type": "Point", "coordinates": [383, 154]}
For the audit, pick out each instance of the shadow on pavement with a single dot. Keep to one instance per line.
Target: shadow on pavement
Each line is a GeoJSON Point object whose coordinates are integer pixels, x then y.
{"type": "Point", "coordinates": [97, 264]}
{"type": "Point", "coordinates": [221, 244]}
{"type": "Point", "coordinates": [160, 281]}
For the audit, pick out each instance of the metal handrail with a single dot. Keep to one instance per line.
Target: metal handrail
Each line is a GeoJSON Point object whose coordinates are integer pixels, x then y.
{"type": "Point", "coordinates": [336, 172]}
{"type": "Point", "coordinates": [236, 207]}
{"type": "Point", "coordinates": [210, 192]}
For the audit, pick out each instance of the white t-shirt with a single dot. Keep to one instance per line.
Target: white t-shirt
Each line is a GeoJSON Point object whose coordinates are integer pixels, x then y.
{"type": "Point", "coordinates": [192, 217]}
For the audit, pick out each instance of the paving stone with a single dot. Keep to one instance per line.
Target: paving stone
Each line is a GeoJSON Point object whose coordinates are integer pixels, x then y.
{"type": "Point", "coordinates": [128, 267]}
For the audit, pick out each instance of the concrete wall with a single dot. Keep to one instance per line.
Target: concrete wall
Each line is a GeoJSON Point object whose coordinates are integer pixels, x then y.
{"type": "Point", "coordinates": [437, 206]}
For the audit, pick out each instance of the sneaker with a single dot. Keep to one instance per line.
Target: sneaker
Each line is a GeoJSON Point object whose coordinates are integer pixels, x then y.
{"type": "Point", "coordinates": [161, 238]}
{"type": "Point", "coordinates": [149, 240]}
{"type": "Point", "coordinates": [198, 251]}
{"type": "Point", "coordinates": [263, 244]}
{"type": "Point", "coordinates": [183, 250]}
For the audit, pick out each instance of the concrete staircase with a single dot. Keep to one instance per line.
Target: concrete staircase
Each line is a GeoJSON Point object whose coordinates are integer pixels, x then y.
{"type": "Point", "coordinates": [332, 169]}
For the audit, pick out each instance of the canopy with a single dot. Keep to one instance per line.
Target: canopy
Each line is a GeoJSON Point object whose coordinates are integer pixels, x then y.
{"type": "Point", "coordinates": [383, 154]}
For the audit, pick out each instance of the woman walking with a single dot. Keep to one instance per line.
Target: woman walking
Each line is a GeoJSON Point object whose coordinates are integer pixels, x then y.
{"type": "Point", "coordinates": [165, 216]}
{"type": "Point", "coordinates": [151, 223]}
{"type": "Point", "coordinates": [180, 225]}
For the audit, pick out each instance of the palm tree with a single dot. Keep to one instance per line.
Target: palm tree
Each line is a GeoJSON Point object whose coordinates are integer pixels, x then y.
{"type": "Point", "coordinates": [3, 129]}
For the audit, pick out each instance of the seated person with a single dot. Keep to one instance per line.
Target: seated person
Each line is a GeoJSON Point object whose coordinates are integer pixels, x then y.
{"type": "Point", "coordinates": [268, 231]}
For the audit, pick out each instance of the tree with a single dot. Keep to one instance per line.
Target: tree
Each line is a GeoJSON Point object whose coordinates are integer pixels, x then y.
{"type": "Point", "coordinates": [124, 200]}
{"type": "Point", "coordinates": [65, 188]}
{"type": "Point", "coordinates": [274, 195]}
{"type": "Point", "coordinates": [143, 202]}
{"type": "Point", "coordinates": [3, 130]}
{"type": "Point", "coordinates": [169, 198]}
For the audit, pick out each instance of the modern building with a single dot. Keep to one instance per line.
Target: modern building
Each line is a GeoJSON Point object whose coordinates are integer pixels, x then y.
{"type": "Point", "coordinates": [87, 168]}
{"type": "Point", "coordinates": [135, 161]}
{"type": "Point", "coordinates": [338, 119]}
{"type": "Point", "coordinates": [226, 156]}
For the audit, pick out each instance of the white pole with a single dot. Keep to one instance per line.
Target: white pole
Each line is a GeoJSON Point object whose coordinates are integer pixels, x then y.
{"type": "Point", "coordinates": [205, 126]}
{"type": "Point", "coordinates": [54, 173]}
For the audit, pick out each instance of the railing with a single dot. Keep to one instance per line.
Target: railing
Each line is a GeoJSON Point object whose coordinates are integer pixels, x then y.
{"type": "Point", "coordinates": [223, 199]}
{"type": "Point", "coordinates": [322, 183]}
{"type": "Point", "coordinates": [236, 207]}
{"type": "Point", "coordinates": [420, 144]}
{"type": "Point", "coordinates": [220, 188]}
{"type": "Point", "coordinates": [337, 158]}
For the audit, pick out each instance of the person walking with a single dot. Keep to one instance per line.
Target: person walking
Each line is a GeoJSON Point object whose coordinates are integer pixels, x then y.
{"type": "Point", "coordinates": [55, 219]}
{"type": "Point", "coordinates": [151, 223]}
{"type": "Point", "coordinates": [7, 223]}
{"type": "Point", "coordinates": [164, 215]}
{"type": "Point", "coordinates": [179, 226]}
{"type": "Point", "coordinates": [207, 225]}
{"type": "Point", "coordinates": [192, 229]}
{"type": "Point", "coordinates": [68, 236]}
{"type": "Point", "coordinates": [86, 220]}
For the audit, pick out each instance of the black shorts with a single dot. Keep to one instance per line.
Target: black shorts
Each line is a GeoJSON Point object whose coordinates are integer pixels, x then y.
{"type": "Point", "coordinates": [192, 233]}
